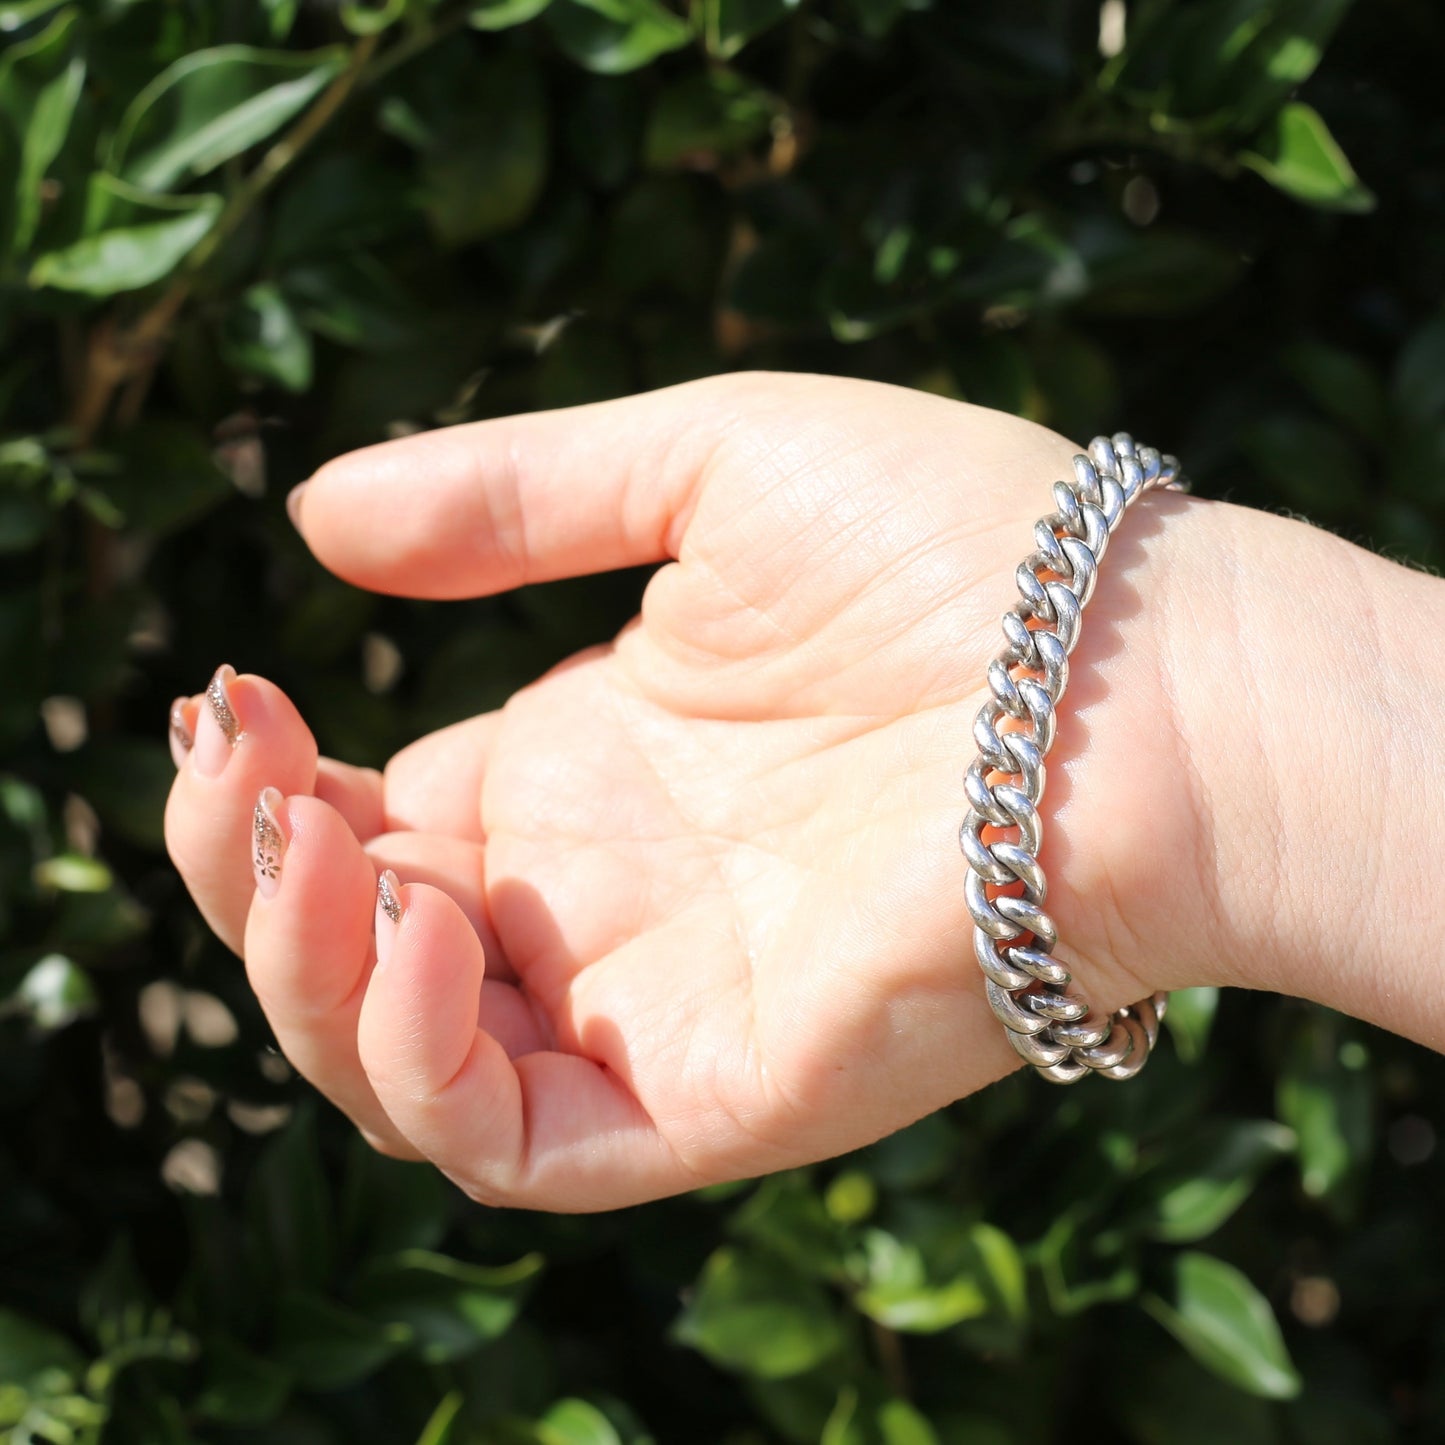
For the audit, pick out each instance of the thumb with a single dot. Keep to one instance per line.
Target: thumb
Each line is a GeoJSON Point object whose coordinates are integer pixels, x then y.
{"type": "Point", "coordinates": [470, 510]}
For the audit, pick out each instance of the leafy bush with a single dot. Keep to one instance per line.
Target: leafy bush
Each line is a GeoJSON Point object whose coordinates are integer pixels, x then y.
{"type": "Point", "coordinates": [238, 238]}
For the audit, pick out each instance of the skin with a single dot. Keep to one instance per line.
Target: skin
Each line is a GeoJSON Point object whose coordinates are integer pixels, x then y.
{"type": "Point", "coordinates": [690, 906]}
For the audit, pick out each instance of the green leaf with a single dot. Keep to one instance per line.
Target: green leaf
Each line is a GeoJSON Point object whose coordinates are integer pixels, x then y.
{"type": "Point", "coordinates": [447, 1307]}
{"type": "Point", "coordinates": [1227, 1325]}
{"type": "Point", "coordinates": [327, 1347]}
{"type": "Point", "coordinates": [73, 873]}
{"type": "Point", "coordinates": [504, 14]}
{"type": "Point", "coordinates": [752, 1313]}
{"type": "Point", "coordinates": [280, 16]}
{"type": "Point", "coordinates": [860, 1420]}
{"type": "Point", "coordinates": [212, 105]}
{"type": "Point", "coordinates": [898, 1293]}
{"type": "Point", "coordinates": [392, 1205]}
{"type": "Point", "coordinates": [1077, 1274]}
{"type": "Point", "coordinates": [786, 1215]}
{"type": "Point", "coordinates": [240, 1388]}
{"type": "Point", "coordinates": [166, 477]}
{"type": "Point", "coordinates": [728, 25]}
{"type": "Point", "coordinates": [1343, 385]}
{"type": "Point", "coordinates": [1226, 64]}
{"type": "Point", "coordinates": [129, 257]}
{"type": "Point", "coordinates": [20, 13]}
{"type": "Point", "coordinates": [56, 992]}
{"type": "Point", "coordinates": [917, 1156]}
{"type": "Point", "coordinates": [337, 208]}
{"type": "Point", "coordinates": [851, 1197]}
{"type": "Point", "coordinates": [1297, 154]}
{"type": "Point", "coordinates": [1001, 1268]}
{"type": "Point", "coordinates": [576, 1422]}
{"type": "Point", "coordinates": [485, 158]}
{"type": "Point", "coordinates": [604, 126]}
{"type": "Point", "coordinates": [1189, 1018]}
{"type": "Point", "coordinates": [438, 1428]}
{"type": "Point", "coordinates": [40, 86]}
{"type": "Point", "coordinates": [352, 300]}
{"type": "Point", "coordinates": [29, 1350]}
{"type": "Point", "coordinates": [615, 36]}
{"type": "Point", "coordinates": [371, 19]}
{"type": "Point", "coordinates": [1204, 1178]}
{"type": "Point", "coordinates": [288, 1206]}
{"type": "Point", "coordinates": [262, 337]}
{"type": "Point", "coordinates": [1325, 1094]}
{"type": "Point", "coordinates": [707, 115]}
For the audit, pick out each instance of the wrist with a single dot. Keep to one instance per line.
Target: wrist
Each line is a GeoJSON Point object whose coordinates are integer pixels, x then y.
{"type": "Point", "coordinates": [1232, 786]}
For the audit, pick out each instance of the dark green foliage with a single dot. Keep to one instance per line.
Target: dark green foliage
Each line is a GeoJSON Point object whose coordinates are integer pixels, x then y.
{"type": "Point", "coordinates": [237, 238]}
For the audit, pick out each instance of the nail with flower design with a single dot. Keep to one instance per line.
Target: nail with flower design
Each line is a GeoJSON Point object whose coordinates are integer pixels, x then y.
{"type": "Point", "coordinates": [268, 845]}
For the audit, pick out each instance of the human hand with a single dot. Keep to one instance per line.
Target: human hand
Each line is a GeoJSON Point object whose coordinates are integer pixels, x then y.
{"type": "Point", "coordinates": [690, 907]}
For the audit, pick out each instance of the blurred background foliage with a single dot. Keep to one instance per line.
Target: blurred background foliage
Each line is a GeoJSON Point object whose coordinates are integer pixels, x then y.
{"type": "Point", "coordinates": [238, 237]}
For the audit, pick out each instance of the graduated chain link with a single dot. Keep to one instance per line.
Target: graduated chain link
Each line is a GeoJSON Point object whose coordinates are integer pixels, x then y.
{"type": "Point", "coordinates": [1027, 986]}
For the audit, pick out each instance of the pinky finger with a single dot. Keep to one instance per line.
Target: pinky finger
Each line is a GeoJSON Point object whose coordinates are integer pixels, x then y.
{"type": "Point", "coordinates": [546, 1130]}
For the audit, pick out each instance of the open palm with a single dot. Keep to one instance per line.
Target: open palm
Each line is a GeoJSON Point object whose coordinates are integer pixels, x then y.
{"type": "Point", "coordinates": [690, 906]}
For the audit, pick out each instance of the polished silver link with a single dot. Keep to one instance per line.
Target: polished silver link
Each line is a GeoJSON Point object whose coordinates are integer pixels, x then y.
{"type": "Point", "coordinates": [1013, 937]}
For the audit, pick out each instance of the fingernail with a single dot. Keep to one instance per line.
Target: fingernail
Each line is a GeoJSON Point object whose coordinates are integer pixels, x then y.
{"type": "Point", "coordinates": [218, 728]}
{"type": "Point", "coordinates": [181, 738]}
{"type": "Point", "coordinates": [268, 844]}
{"type": "Point", "coordinates": [388, 914]}
{"type": "Point", "coordinates": [293, 504]}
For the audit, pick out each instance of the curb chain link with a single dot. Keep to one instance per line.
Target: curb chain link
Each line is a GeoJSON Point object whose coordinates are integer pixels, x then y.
{"type": "Point", "coordinates": [1027, 986]}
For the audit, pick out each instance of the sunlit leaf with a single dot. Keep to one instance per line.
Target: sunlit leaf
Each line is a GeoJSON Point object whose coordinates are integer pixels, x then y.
{"type": "Point", "coordinates": [262, 337]}
{"type": "Point", "coordinates": [614, 36]}
{"type": "Point", "coordinates": [448, 1307]}
{"type": "Point", "coordinates": [728, 25]}
{"type": "Point", "coordinates": [129, 257]}
{"type": "Point", "coordinates": [1297, 154]}
{"type": "Point", "coordinates": [503, 14]}
{"type": "Point", "coordinates": [858, 1419]}
{"type": "Point", "coordinates": [752, 1313]}
{"type": "Point", "coordinates": [1227, 1325]}
{"type": "Point", "coordinates": [576, 1422]}
{"type": "Point", "coordinates": [212, 105]}
{"type": "Point", "coordinates": [1325, 1094]}
{"type": "Point", "coordinates": [56, 992]}
{"type": "Point", "coordinates": [363, 18]}
{"type": "Point", "coordinates": [1203, 1179]}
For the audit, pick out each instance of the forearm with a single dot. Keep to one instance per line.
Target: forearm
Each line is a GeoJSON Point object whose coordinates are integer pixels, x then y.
{"type": "Point", "coordinates": [1266, 761]}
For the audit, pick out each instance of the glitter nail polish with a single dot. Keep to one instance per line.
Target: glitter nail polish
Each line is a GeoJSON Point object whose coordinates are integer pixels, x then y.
{"type": "Point", "coordinates": [268, 845]}
{"type": "Point", "coordinates": [218, 729]}
{"type": "Point", "coordinates": [388, 894]}
{"type": "Point", "coordinates": [388, 913]}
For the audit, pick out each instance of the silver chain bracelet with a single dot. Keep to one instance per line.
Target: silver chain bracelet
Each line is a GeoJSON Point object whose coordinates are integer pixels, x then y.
{"type": "Point", "coordinates": [1027, 986]}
